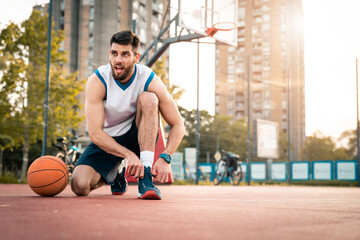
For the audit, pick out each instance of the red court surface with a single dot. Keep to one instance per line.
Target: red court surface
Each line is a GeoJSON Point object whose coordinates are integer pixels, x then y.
{"type": "Point", "coordinates": [186, 212]}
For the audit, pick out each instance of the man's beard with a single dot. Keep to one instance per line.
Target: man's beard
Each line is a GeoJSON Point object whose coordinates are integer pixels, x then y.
{"type": "Point", "coordinates": [127, 71]}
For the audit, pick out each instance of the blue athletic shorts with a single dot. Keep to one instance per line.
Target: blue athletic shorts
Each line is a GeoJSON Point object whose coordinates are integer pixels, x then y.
{"type": "Point", "coordinates": [107, 164]}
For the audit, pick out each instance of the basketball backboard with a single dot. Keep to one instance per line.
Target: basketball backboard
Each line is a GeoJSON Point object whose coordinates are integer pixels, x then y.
{"type": "Point", "coordinates": [200, 15]}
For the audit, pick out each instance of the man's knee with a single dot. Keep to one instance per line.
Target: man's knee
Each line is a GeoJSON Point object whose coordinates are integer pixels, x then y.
{"type": "Point", "coordinates": [81, 180]}
{"type": "Point", "coordinates": [148, 101]}
{"type": "Point", "coordinates": [84, 180]}
{"type": "Point", "coordinates": [80, 186]}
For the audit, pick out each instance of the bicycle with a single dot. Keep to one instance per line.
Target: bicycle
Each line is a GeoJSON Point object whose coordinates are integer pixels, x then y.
{"type": "Point", "coordinates": [68, 155]}
{"type": "Point", "coordinates": [225, 169]}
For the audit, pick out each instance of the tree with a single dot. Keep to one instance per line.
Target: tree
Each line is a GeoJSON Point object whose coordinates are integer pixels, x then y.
{"type": "Point", "coordinates": [350, 136]}
{"type": "Point", "coordinates": [231, 134]}
{"type": "Point", "coordinates": [320, 147]}
{"type": "Point", "coordinates": [23, 85]}
{"type": "Point", "coordinates": [5, 143]}
{"type": "Point", "coordinates": [216, 130]}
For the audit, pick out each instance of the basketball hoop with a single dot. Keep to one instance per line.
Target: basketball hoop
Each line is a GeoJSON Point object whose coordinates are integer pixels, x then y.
{"type": "Point", "coordinates": [221, 26]}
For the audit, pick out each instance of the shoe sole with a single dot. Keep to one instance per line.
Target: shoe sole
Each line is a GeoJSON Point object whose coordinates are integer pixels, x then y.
{"type": "Point", "coordinates": [149, 195]}
{"type": "Point", "coordinates": [119, 193]}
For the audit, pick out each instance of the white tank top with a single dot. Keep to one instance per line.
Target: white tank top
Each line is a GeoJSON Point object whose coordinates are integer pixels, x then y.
{"type": "Point", "coordinates": [121, 99]}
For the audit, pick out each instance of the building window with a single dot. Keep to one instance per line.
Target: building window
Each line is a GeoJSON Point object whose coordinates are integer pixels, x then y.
{"type": "Point", "coordinates": [266, 74]}
{"type": "Point", "coordinates": [239, 115]}
{"type": "Point", "coordinates": [241, 13]}
{"type": "Point", "coordinates": [255, 30]}
{"type": "Point", "coordinates": [91, 27]}
{"type": "Point", "coordinates": [266, 46]}
{"type": "Point", "coordinates": [266, 66]}
{"type": "Point", "coordinates": [266, 8]}
{"type": "Point", "coordinates": [142, 34]}
{"type": "Point", "coordinates": [267, 94]}
{"type": "Point", "coordinates": [135, 5]}
{"type": "Point", "coordinates": [240, 68]}
{"type": "Point", "coordinates": [239, 104]}
{"type": "Point", "coordinates": [62, 5]}
{"type": "Point", "coordinates": [257, 94]}
{"type": "Point", "coordinates": [258, 114]}
{"type": "Point", "coordinates": [230, 78]}
{"type": "Point", "coordinates": [265, 27]}
{"type": "Point", "coordinates": [257, 58]}
{"type": "Point", "coordinates": [230, 107]}
{"type": "Point", "coordinates": [61, 22]}
{"type": "Point", "coordinates": [91, 13]}
{"type": "Point", "coordinates": [266, 17]}
{"type": "Point", "coordinates": [241, 23]}
{"type": "Point", "coordinates": [62, 46]}
{"type": "Point", "coordinates": [216, 109]}
{"type": "Point", "coordinates": [91, 42]}
{"type": "Point", "coordinates": [231, 69]}
{"type": "Point", "coordinates": [267, 114]}
{"type": "Point", "coordinates": [258, 19]}
{"type": "Point", "coordinates": [155, 27]}
{"type": "Point", "coordinates": [257, 68]}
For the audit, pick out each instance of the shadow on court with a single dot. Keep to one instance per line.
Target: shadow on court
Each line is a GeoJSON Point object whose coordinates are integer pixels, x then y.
{"type": "Point", "coordinates": [186, 212]}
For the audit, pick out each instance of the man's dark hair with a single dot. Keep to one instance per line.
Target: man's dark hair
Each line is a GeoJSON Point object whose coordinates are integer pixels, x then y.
{"type": "Point", "coordinates": [126, 37]}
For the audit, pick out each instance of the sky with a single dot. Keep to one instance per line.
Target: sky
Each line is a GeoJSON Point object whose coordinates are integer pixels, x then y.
{"type": "Point", "coordinates": [332, 44]}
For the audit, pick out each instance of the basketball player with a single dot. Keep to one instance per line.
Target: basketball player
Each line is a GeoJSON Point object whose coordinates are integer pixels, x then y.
{"type": "Point", "coordinates": [122, 105]}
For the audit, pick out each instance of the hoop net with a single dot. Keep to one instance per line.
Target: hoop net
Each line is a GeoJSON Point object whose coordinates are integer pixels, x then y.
{"type": "Point", "coordinates": [221, 26]}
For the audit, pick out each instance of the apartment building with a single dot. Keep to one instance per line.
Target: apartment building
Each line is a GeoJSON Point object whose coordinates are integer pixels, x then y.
{"type": "Point", "coordinates": [270, 54]}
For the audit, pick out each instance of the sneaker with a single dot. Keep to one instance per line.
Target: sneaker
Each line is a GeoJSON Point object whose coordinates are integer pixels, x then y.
{"type": "Point", "coordinates": [147, 190]}
{"type": "Point", "coordinates": [119, 186]}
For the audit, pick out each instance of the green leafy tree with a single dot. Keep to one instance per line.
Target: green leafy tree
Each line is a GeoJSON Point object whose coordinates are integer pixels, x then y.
{"type": "Point", "coordinates": [214, 131]}
{"type": "Point", "coordinates": [231, 134]}
{"type": "Point", "coordinates": [23, 85]}
{"type": "Point", "coordinates": [5, 143]}
{"type": "Point", "coordinates": [189, 117]}
{"type": "Point", "coordinates": [320, 147]}
{"type": "Point", "coordinates": [350, 136]}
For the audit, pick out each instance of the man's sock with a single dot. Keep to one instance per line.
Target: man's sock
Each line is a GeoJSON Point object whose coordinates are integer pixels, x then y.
{"type": "Point", "coordinates": [147, 158]}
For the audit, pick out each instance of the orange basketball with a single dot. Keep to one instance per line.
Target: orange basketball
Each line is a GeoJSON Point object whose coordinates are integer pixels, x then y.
{"type": "Point", "coordinates": [48, 176]}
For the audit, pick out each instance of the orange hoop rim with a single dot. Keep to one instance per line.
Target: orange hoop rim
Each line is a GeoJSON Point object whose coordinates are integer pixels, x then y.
{"type": "Point", "coordinates": [214, 29]}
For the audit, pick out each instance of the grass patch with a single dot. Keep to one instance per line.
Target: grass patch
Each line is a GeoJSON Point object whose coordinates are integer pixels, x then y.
{"type": "Point", "coordinates": [10, 177]}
